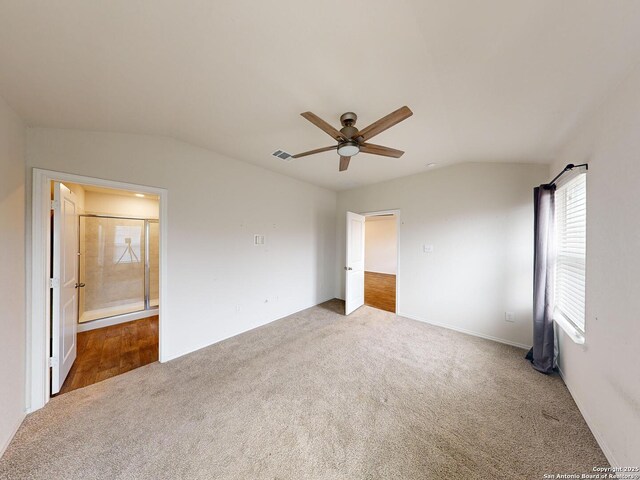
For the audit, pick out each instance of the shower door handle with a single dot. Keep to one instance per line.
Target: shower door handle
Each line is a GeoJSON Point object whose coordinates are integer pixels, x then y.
{"type": "Point", "coordinates": [79, 285]}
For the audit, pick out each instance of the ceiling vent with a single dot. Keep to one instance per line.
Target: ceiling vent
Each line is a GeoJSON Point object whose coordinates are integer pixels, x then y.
{"type": "Point", "coordinates": [283, 155]}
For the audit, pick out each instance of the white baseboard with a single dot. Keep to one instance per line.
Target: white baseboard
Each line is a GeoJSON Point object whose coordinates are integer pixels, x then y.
{"type": "Point", "coordinates": [383, 273]}
{"type": "Point", "coordinates": [599, 438]}
{"type": "Point", "coordinates": [14, 430]}
{"type": "Point", "coordinates": [468, 332]}
{"type": "Point", "coordinates": [168, 358]}
{"type": "Point", "coordinates": [107, 322]}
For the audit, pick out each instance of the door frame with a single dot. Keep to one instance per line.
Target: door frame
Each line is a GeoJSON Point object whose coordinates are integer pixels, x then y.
{"type": "Point", "coordinates": [395, 212]}
{"type": "Point", "coordinates": [39, 303]}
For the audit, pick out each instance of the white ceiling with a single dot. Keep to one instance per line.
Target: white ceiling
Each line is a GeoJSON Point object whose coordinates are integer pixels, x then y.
{"type": "Point", "coordinates": [487, 80]}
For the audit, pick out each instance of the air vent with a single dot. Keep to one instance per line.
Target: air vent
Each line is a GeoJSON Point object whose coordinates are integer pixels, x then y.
{"type": "Point", "coordinates": [283, 155]}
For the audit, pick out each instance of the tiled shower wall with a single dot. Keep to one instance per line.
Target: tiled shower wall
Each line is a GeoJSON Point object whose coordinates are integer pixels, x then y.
{"type": "Point", "coordinates": [112, 266]}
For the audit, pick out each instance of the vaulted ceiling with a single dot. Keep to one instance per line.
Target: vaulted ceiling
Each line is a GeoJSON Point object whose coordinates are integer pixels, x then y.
{"type": "Point", "coordinates": [490, 80]}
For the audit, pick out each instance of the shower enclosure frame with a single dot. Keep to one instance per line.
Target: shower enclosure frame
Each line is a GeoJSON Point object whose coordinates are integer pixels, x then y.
{"type": "Point", "coordinates": [148, 309]}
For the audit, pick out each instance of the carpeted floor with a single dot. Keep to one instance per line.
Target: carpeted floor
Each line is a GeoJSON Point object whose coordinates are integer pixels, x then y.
{"type": "Point", "coordinates": [316, 396]}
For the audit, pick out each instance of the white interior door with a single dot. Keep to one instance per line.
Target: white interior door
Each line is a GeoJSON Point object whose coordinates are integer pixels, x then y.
{"type": "Point", "coordinates": [64, 285]}
{"type": "Point", "coordinates": [354, 269]}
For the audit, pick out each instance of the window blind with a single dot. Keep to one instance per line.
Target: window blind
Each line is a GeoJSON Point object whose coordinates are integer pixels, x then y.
{"type": "Point", "coordinates": [571, 228]}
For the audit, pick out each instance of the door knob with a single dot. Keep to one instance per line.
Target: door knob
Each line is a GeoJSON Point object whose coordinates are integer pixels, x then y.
{"type": "Point", "coordinates": [79, 285]}
{"type": "Point", "coordinates": [348, 268]}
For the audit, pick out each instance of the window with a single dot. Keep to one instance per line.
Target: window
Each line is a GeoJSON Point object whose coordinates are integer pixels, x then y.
{"type": "Point", "coordinates": [127, 244]}
{"type": "Point", "coordinates": [571, 223]}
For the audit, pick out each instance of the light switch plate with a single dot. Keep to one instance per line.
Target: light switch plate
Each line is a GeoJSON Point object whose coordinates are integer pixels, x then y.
{"type": "Point", "coordinates": [509, 317]}
{"type": "Point", "coordinates": [258, 239]}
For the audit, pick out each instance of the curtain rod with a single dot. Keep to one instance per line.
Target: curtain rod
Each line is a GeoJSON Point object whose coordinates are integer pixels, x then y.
{"type": "Point", "coordinates": [568, 168]}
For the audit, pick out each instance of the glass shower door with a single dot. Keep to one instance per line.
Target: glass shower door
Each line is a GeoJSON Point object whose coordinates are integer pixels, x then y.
{"type": "Point", "coordinates": [154, 263]}
{"type": "Point", "coordinates": [112, 267]}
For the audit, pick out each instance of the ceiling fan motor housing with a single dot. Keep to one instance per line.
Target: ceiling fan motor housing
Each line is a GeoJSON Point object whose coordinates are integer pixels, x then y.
{"type": "Point", "coordinates": [350, 132]}
{"type": "Point", "coordinates": [348, 129]}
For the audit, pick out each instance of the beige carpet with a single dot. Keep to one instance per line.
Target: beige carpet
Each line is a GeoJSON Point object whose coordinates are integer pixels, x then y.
{"type": "Point", "coordinates": [316, 396]}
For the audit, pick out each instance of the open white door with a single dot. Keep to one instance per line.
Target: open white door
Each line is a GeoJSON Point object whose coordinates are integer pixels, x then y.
{"type": "Point", "coordinates": [65, 285]}
{"type": "Point", "coordinates": [354, 270]}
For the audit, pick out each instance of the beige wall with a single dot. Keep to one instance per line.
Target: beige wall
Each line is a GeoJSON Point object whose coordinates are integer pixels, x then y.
{"type": "Point", "coordinates": [479, 219]}
{"type": "Point", "coordinates": [604, 373]}
{"type": "Point", "coordinates": [219, 283]}
{"type": "Point", "coordinates": [125, 205]}
{"type": "Point", "coordinates": [12, 273]}
{"type": "Point", "coordinates": [381, 245]}
{"type": "Point", "coordinates": [79, 192]}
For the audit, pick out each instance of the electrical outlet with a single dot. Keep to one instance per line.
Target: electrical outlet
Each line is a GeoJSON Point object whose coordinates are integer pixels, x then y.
{"type": "Point", "coordinates": [509, 317]}
{"type": "Point", "coordinates": [427, 248]}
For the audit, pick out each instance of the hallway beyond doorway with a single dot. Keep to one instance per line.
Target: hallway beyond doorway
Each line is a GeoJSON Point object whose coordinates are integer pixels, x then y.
{"type": "Point", "coordinates": [381, 260]}
{"type": "Point", "coordinates": [380, 291]}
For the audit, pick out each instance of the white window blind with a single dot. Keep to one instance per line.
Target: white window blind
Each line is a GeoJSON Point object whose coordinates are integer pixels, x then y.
{"type": "Point", "coordinates": [571, 228]}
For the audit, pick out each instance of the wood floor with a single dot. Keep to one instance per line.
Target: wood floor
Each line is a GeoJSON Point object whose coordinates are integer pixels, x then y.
{"type": "Point", "coordinates": [380, 291]}
{"type": "Point", "coordinates": [109, 351]}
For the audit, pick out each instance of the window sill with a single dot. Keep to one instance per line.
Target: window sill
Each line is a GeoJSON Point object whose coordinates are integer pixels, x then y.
{"type": "Point", "coordinates": [574, 334]}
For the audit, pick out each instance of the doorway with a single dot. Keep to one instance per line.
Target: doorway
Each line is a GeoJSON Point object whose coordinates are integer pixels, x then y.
{"type": "Point", "coordinates": [381, 261]}
{"type": "Point", "coordinates": [105, 260]}
{"type": "Point", "coordinates": [97, 287]}
{"type": "Point", "coordinates": [372, 260]}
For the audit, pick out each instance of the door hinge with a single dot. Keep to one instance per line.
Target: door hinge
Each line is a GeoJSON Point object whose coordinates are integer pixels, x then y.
{"type": "Point", "coordinates": [54, 283]}
{"type": "Point", "coordinates": [54, 204]}
{"type": "Point", "coordinates": [52, 362]}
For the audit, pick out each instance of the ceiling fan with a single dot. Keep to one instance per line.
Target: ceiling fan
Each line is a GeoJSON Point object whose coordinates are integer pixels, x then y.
{"type": "Point", "coordinates": [352, 141]}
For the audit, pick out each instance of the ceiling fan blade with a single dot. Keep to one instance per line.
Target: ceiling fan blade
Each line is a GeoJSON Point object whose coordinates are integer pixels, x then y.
{"type": "Point", "coordinates": [344, 163]}
{"type": "Point", "coordinates": [322, 125]}
{"type": "Point", "coordinates": [317, 150]}
{"type": "Point", "coordinates": [386, 122]}
{"type": "Point", "coordinates": [380, 150]}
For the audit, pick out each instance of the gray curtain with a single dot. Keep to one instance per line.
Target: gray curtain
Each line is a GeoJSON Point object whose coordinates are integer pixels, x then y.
{"type": "Point", "coordinates": [542, 355]}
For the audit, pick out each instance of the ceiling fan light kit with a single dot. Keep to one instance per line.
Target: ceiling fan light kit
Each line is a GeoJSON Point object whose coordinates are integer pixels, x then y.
{"type": "Point", "coordinates": [348, 149]}
{"type": "Point", "coordinates": [352, 141]}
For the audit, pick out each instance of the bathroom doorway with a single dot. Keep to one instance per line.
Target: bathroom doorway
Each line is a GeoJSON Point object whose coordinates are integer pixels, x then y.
{"type": "Point", "coordinates": [109, 240]}
{"type": "Point", "coordinates": [381, 261]}
{"type": "Point", "coordinates": [96, 306]}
